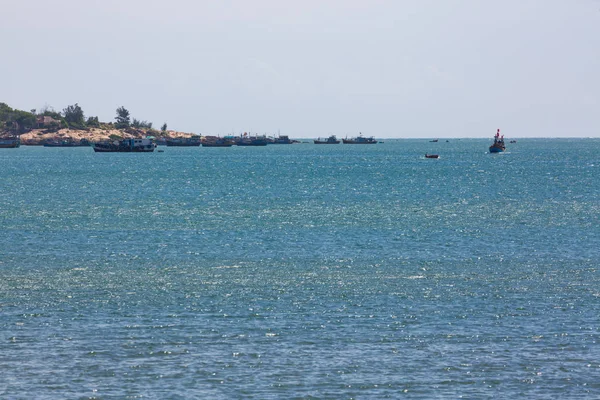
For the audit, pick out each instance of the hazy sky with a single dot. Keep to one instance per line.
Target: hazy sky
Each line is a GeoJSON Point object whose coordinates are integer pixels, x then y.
{"type": "Point", "coordinates": [403, 68]}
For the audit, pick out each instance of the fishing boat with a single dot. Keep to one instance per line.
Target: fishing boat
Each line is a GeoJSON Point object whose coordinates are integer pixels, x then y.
{"type": "Point", "coordinates": [10, 142]}
{"type": "Point", "coordinates": [498, 145]}
{"type": "Point", "coordinates": [330, 140]}
{"type": "Point", "coordinates": [432, 155]}
{"type": "Point", "coordinates": [66, 143]}
{"type": "Point", "coordinates": [184, 142]}
{"type": "Point", "coordinates": [252, 141]}
{"type": "Point", "coordinates": [283, 139]}
{"type": "Point", "coordinates": [217, 143]}
{"type": "Point", "coordinates": [360, 139]}
{"type": "Point", "coordinates": [125, 146]}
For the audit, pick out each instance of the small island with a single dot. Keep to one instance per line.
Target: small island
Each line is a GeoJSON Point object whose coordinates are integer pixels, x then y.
{"type": "Point", "coordinates": [70, 127]}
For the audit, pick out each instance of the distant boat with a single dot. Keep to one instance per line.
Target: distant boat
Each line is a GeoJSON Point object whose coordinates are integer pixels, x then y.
{"type": "Point", "coordinates": [66, 143]}
{"type": "Point", "coordinates": [513, 141]}
{"type": "Point", "coordinates": [11, 142]}
{"type": "Point", "coordinates": [252, 141]}
{"type": "Point", "coordinates": [218, 143]}
{"type": "Point", "coordinates": [498, 145]}
{"type": "Point", "coordinates": [125, 146]}
{"type": "Point", "coordinates": [330, 140]}
{"type": "Point", "coordinates": [432, 155]}
{"type": "Point", "coordinates": [434, 141]}
{"type": "Point", "coordinates": [184, 142]}
{"type": "Point", "coordinates": [284, 140]}
{"type": "Point", "coordinates": [360, 139]}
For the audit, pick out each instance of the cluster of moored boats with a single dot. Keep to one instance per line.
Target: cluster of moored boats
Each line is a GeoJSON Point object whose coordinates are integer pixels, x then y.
{"type": "Point", "coordinates": [360, 139]}
{"type": "Point", "coordinates": [149, 144]}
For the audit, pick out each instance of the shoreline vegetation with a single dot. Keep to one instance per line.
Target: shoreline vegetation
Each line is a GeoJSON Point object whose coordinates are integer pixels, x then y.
{"type": "Point", "coordinates": [71, 125]}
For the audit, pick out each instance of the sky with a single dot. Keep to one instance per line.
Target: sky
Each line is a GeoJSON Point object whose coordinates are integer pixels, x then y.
{"type": "Point", "coordinates": [389, 69]}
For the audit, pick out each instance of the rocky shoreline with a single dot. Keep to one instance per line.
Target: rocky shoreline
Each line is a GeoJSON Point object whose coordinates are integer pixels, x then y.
{"type": "Point", "coordinates": [38, 137]}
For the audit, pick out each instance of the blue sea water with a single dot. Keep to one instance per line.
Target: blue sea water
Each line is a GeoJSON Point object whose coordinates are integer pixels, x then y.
{"type": "Point", "coordinates": [302, 271]}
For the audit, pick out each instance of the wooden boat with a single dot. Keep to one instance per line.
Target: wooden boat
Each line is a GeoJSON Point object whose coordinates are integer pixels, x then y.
{"type": "Point", "coordinates": [125, 146]}
{"type": "Point", "coordinates": [432, 155]}
{"type": "Point", "coordinates": [330, 140]}
{"type": "Point", "coordinates": [11, 142]}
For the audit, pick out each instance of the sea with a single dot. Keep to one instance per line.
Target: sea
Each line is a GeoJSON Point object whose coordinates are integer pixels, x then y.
{"type": "Point", "coordinates": [302, 271]}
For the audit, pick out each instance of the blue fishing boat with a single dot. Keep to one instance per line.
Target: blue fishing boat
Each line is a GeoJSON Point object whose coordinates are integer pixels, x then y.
{"type": "Point", "coordinates": [10, 142]}
{"type": "Point", "coordinates": [125, 146]}
{"type": "Point", "coordinates": [498, 145]}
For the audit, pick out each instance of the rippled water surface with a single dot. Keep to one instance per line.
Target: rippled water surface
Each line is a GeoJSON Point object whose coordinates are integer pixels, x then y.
{"type": "Point", "coordinates": [302, 271]}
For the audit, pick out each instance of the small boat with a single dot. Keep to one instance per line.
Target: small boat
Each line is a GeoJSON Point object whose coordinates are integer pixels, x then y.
{"type": "Point", "coordinates": [360, 139]}
{"type": "Point", "coordinates": [11, 142]}
{"type": "Point", "coordinates": [432, 155]}
{"type": "Point", "coordinates": [125, 146]}
{"type": "Point", "coordinates": [498, 145]}
{"type": "Point", "coordinates": [330, 140]}
{"type": "Point", "coordinates": [434, 141]}
{"type": "Point", "coordinates": [513, 141]}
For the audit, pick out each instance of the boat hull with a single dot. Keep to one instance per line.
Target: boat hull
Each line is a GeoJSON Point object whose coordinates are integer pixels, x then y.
{"type": "Point", "coordinates": [192, 144]}
{"type": "Point", "coordinates": [217, 144]}
{"type": "Point", "coordinates": [65, 145]}
{"type": "Point", "coordinates": [9, 143]}
{"type": "Point", "coordinates": [125, 146]}
{"type": "Point", "coordinates": [253, 143]}
{"type": "Point", "coordinates": [496, 149]}
{"type": "Point", "coordinates": [122, 150]}
{"type": "Point", "coordinates": [360, 140]}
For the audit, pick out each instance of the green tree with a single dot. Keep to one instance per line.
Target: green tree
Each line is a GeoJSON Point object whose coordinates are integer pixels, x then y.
{"type": "Point", "coordinates": [74, 116]}
{"type": "Point", "coordinates": [136, 123]}
{"type": "Point", "coordinates": [93, 122]}
{"type": "Point", "coordinates": [19, 121]}
{"type": "Point", "coordinates": [122, 118]}
{"type": "Point", "coordinates": [5, 112]}
{"type": "Point", "coordinates": [48, 111]}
